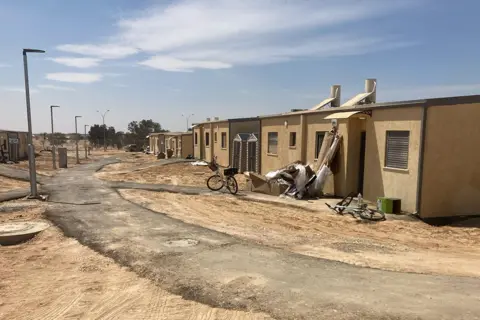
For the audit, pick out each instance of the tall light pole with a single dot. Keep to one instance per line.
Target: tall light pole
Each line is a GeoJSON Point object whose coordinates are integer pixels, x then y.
{"type": "Point", "coordinates": [86, 154]}
{"type": "Point", "coordinates": [104, 130]}
{"type": "Point", "coordinates": [31, 148]}
{"type": "Point", "coordinates": [53, 139]}
{"type": "Point", "coordinates": [187, 117]}
{"type": "Point", "coordinates": [76, 139]}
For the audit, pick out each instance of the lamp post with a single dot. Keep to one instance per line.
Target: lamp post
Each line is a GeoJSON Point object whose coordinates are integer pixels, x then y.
{"type": "Point", "coordinates": [31, 149]}
{"type": "Point", "coordinates": [86, 152]}
{"type": "Point", "coordinates": [104, 130]}
{"type": "Point", "coordinates": [76, 139]}
{"type": "Point", "coordinates": [187, 117]}
{"type": "Point", "coordinates": [54, 165]}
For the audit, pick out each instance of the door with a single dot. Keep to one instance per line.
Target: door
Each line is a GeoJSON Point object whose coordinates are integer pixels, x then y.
{"type": "Point", "coordinates": [236, 154]}
{"type": "Point", "coordinates": [252, 156]}
{"type": "Point", "coordinates": [361, 168]}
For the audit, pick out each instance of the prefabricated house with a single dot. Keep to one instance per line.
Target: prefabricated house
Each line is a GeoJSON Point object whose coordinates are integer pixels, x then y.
{"type": "Point", "coordinates": [14, 144]}
{"type": "Point", "coordinates": [180, 143]}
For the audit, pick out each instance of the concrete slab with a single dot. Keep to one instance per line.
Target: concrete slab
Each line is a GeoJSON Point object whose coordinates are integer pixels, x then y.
{"type": "Point", "coordinates": [12, 233]}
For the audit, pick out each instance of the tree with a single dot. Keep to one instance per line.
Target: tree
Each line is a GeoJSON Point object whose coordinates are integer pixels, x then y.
{"type": "Point", "coordinates": [57, 138]}
{"type": "Point", "coordinates": [139, 130]}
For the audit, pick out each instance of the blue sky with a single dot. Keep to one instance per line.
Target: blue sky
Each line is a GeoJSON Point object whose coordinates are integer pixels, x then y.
{"type": "Point", "coordinates": [226, 58]}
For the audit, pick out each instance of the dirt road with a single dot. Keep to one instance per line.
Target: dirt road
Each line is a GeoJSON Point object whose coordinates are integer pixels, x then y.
{"type": "Point", "coordinates": [395, 245]}
{"type": "Point", "coordinates": [225, 271]}
{"type": "Point", "coordinates": [182, 174]}
{"type": "Point", "coordinates": [54, 277]}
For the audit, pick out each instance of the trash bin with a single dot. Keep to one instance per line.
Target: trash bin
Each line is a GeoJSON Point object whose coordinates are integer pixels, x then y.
{"type": "Point", "coordinates": [161, 155]}
{"type": "Point", "coordinates": [169, 153]}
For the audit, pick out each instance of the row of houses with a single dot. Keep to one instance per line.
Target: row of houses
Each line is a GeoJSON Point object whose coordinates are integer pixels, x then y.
{"type": "Point", "coordinates": [181, 143]}
{"type": "Point", "coordinates": [420, 151]}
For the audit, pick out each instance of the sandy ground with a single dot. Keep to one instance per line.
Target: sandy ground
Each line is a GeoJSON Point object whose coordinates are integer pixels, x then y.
{"type": "Point", "coordinates": [54, 277]}
{"type": "Point", "coordinates": [183, 174]}
{"type": "Point", "coordinates": [8, 184]}
{"type": "Point", "coordinates": [396, 245]}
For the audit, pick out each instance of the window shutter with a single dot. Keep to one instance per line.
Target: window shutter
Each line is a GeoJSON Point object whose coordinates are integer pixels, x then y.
{"type": "Point", "coordinates": [396, 153]}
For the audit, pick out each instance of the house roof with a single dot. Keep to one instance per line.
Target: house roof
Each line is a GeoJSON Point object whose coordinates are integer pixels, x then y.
{"type": "Point", "coordinates": [17, 131]}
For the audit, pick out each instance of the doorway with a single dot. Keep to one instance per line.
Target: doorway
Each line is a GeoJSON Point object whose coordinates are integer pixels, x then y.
{"type": "Point", "coordinates": [361, 167]}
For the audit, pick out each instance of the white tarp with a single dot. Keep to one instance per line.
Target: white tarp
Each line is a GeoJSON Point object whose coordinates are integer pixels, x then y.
{"type": "Point", "coordinates": [199, 163]}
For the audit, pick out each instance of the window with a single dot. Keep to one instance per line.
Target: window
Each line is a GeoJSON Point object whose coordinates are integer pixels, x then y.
{"type": "Point", "coordinates": [215, 137]}
{"type": "Point", "coordinates": [319, 136]}
{"type": "Point", "coordinates": [224, 140]}
{"type": "Point", "coordinates": [196, 138]}
{"type": "Point", "coordinates": [396, 149]}
{"type": "Point", "coordinates": [272, 142]}
{"type": "Point", "coordinates": [293, 139]}
{"type": "Point", "coordinates": [207, 139]}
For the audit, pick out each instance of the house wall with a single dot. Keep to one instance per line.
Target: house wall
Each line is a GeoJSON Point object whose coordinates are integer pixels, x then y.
{"type": "Point", "coordinates": [381, 181]}
{"type": "Point", "coordinates": [451, 165]}
{"type": "Point", "coordinates": [153, 142]}
{"type": "Point", "coordinates": [198, 149]}
{"type": "Point", "coordinates": [316, 123]}
{"type": "Point", "coordinates": [23, 145]}
{"type": "Point", "coordinates": [221, 153]}
{"type": "Point", "coordinates": [187, 145]}
{"type": "Point", "coordinates": [241, 126]}
{"type": "Point", "coordinates": [285, 154]}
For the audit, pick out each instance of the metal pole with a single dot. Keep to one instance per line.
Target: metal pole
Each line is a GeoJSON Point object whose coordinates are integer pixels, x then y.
{"type": "Point", "coordinates": [54, 165]}
{"type": "Point", "coordinates": [104, 134]}
{"type": "Point", "coordinates": [31, 149]}
{"type": "Point", "coordinates": [86, 152]}
{"type": "Point", "coordinates": [76, 139]}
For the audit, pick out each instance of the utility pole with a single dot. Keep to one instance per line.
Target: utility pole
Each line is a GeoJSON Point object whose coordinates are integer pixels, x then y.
{"type": "Point", "coordinates": [104, 130]}
{"type": "Point", "coordinates": [76, 139]}
{"type": "Point", "coordinates": [54, 165]}
{"type": "Point", "coordinates": [86, 151]}
{"type": "Point", "coordinates": [31, 149]}
{"type": "Point", "coordinates": [187, 117]}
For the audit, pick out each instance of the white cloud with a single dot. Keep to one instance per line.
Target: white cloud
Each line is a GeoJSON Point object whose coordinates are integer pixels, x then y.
{"type": "Point", "coordinates": [75, 77]}
{"type": "Point", "coordinates": [19, 89]}
{"type": "Point", "coordinates": [120, 85]}
{"type": "Point", "coordinates": [77, 62]}
{"type": "Point", "coordinates": [215, 34]}
{"type": "Point", "coordinates": [52, 87]}
{"type": "Point", "coordinates": [4, 65]}
{"type": "Point", "coordinates": [172, 64]}
{"type": "Point", "coordinates": [104, 51]}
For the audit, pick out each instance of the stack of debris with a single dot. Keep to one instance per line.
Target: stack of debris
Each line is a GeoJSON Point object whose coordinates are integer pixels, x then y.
{"type": "Point", "coordinates": [297, 179]}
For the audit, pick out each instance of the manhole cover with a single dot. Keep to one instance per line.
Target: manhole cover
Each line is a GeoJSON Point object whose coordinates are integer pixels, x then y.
{"type": "Point", "coordinates": [181, 243]}
{"type": "Point", "coordinates": [16, 232]}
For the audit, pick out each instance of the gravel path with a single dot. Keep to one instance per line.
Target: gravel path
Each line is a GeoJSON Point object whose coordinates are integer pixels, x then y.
{"type": "Point", "coordinates": [223, 271]}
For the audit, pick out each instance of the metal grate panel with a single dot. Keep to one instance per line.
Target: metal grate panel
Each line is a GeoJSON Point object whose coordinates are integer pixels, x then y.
{"type": "Point", "coordinates": [396, 153]}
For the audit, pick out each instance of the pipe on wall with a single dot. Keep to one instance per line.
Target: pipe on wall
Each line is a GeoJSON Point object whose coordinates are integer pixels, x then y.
{"type": "Point", "coordinates": [420, 158]}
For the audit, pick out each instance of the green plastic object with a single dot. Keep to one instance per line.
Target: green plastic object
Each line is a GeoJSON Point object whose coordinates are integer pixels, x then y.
{"type": "Point", "coordinates": [389, 205]}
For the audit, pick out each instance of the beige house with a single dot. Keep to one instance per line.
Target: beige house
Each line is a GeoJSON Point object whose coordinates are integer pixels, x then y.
{"type": "Point", "coordinates": [421, 151]}
{"type": "Point", "coordinates": [217, 138]}
{"type": "Point", "coordinates": [181, 143]}
{"type": "Point", "coordinates": [14, 144]}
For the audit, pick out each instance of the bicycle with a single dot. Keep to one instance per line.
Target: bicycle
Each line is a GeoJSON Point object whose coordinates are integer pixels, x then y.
{"type": "Point", "coordinates": [217, 181]}
{"type": "Point", "coordinates": [360, 210]}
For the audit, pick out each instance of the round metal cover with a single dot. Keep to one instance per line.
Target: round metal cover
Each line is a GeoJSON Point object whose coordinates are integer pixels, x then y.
{"type": "Point", "coordinates": [17, 232]}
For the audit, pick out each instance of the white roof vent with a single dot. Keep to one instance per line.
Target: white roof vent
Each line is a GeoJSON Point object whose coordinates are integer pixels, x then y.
{"type": "Point", "coordinates": [334, 99]}
{"type": "Point", "coordinates": [208, 119]}
{"type": "Point", "coordinates": [216, 118]}
{"type": "Point", "coordinates": [369, 96]}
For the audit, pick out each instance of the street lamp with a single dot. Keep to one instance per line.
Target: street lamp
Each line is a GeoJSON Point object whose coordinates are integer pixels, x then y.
{"type": "Point", "coordinates": [31, 149]}
{"type": "Point", "coordinates": [86, 154]}
{"type": "Point", "coordinates": [187, 117]}
{"type": "Point", "coordinates": [53, 139]}
{"type": "Point", "coordinates": [104, 129]}
{"type": "Point", "coordinates": [76, 139]}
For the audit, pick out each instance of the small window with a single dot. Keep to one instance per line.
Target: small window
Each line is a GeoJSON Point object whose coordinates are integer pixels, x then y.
{"type": "Point", "coordinates": [207, 139]}
{"type": "Point", "coordinates": [224, 140]}
{"type": "Point", "coordinates": [196, 138]}
{"type": "Point", "coordinates": [272, 142]}
{"type": "Point", "coordinates": [396, 149]}
{"type": "Point", "coordinates": [319, 136]}
{"type": "Point", "coordinates": [215, 137]}
{"type": "Point", "coordinates": [293, 139]}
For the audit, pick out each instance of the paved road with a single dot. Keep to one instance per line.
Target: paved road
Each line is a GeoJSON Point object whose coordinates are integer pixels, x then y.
{"type": "Point", "coordinates": [221, 270]}
{"type": "Point", "coordinates": [19, 174]}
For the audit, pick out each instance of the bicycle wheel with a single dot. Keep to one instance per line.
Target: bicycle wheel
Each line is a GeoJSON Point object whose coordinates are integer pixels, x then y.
{"type": "Point", "coordinates": [232, 185]}
{"type": "Point", "coordinates": [215, 182]}
{"type": "Point", "coordinates": [372, 215]}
